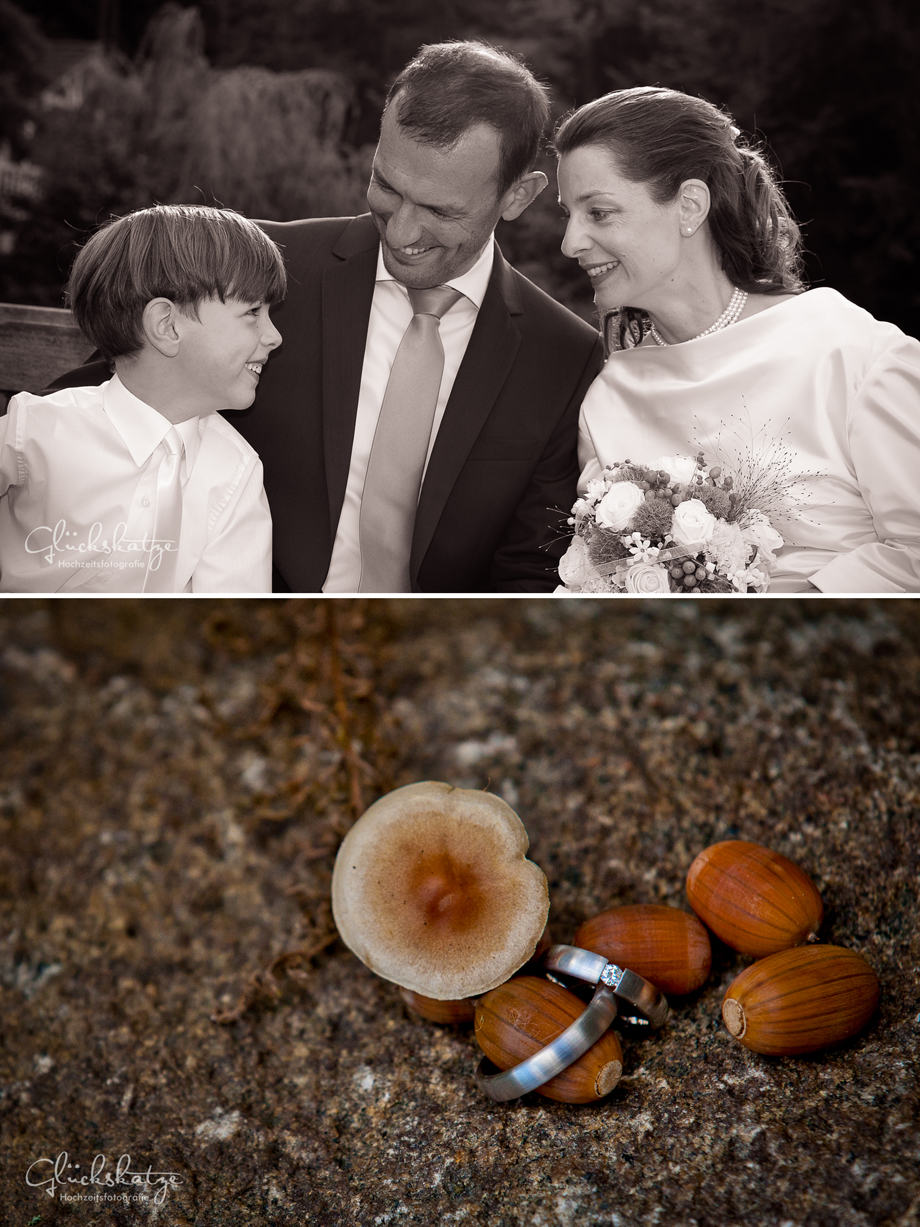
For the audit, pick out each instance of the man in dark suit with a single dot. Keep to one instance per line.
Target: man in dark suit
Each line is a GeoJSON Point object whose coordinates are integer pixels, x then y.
{"type": "Point", "coordinates": [496, 463]}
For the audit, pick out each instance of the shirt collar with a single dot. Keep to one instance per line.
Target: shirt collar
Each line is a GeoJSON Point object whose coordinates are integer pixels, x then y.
{"type": "Point", "coordinates": [472, 284]}
{"type": "Point", "coordinates": [141, 427]}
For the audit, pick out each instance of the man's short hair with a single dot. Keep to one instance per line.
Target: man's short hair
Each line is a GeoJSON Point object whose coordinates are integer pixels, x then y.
{"type": "Point", "coordinates": [450, 87]}
{"type": "Point", "coordinates": [185, 253]}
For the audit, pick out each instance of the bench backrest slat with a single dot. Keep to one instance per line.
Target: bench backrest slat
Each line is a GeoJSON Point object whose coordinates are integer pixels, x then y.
{"type": "Point", "coordinates": [36, 345]}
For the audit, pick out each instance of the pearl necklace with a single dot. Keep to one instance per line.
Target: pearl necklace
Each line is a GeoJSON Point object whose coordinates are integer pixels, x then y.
{"type": "Point", "coordinates": [728, 316]}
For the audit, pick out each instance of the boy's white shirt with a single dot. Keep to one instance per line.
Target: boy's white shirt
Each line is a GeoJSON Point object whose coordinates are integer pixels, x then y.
{"type": "Point", "coordinates": [83, 456]}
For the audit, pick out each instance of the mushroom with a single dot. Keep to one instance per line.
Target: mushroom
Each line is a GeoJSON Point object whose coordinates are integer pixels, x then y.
{"type": "Point", "coordinates": [432, 890]}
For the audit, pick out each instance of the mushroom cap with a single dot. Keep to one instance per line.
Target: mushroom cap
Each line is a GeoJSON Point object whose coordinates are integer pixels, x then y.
{"type": "Point", "coordinates": [432, 890]}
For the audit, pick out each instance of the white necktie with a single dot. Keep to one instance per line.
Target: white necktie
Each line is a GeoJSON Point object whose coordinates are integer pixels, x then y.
{"type": "Point", "coordinates": [397, 459]}
{"type": "Point", "coordinates": [161, 559]}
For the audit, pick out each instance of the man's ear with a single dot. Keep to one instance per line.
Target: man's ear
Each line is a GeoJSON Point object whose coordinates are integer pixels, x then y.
{"type": "Point", "coordinates": [159, 326]}
{"type": "Point", "coordinates": [522, 194]}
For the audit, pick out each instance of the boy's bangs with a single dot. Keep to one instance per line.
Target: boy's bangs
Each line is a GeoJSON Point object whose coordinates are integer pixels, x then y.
{"type": "Point", "coordinates": [257, 276]}
{"type": "Point", "coordinates": [231, 258]}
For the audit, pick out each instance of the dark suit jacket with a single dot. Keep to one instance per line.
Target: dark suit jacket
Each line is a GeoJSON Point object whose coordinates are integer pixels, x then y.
{"type": "Point", "coordinates": [503, 470]}
{"type": "Point", "coordinates": [504, 461]}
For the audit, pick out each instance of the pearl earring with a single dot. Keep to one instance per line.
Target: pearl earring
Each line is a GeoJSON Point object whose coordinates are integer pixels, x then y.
{"type": "Point", "coordinates": [689, 229]}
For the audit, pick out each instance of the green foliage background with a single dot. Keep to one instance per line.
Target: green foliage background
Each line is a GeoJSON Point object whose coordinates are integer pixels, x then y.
{"type": "Point", "coordinates": [828, 84]}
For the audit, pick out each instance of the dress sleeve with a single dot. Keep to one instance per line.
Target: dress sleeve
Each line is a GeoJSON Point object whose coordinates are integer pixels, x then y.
{"type": "Point", "coordinates": [588, 462]}
{"type": "Point", "coordinates": [884, 440]}
{"type": "Point", "coordinates": [11, 473]}
{"type": "Point", "coordinates": [7, 458]}
{"type": "Point", "coordinates": [238, 555]}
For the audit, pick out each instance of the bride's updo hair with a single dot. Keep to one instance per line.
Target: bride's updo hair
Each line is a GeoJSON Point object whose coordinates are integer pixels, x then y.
{"type": "Point", "coordinates": [661, 137]}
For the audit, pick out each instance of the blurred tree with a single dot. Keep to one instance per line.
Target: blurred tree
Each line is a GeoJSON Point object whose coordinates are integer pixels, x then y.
{"type": "Point", "coordinates": [62, 18]}
{"type": "Point", "coordinates": [848, 129]}
{"type": "Point", "coordinates": [22, 50]}
{"type": "Point", "coordinates": [170, 128]}
{"type": "Point", "coordinates": [118, 22]}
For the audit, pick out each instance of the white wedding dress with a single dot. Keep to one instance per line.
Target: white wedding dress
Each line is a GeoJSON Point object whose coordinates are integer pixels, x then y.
{"type": "Point", "coordinates": [813, 375]}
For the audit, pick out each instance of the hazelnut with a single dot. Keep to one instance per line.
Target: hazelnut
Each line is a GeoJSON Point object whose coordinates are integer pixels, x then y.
{"type": "Point", "coordinates": [801, 1000]}
{"type": "Point", "coordinates": [756, 900]}
{"type": "Point", "coordinates": [461, 1011]}
{"type": "Point", "coordinates": [664, 944]}
{"type": "Point", "coordinates": [524, 1015]}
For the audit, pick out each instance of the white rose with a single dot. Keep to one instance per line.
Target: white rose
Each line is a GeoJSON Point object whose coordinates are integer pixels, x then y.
{"type": "Point", "coordinates": [681, 468]}
{"type": "Point", "coordinates": [767, 539]}
{"type": "Point", "coordinates": [647, 577]}
{"type": "Point", "coordinates": [692, 525]}
{"type": "Point", "coordinates": [574, 566]}
{"type": "Point", "coordinates": [618, 506]}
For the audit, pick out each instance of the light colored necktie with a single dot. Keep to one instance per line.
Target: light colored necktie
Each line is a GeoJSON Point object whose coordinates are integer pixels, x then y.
{"type": "Point", "coordinates": [397, 459]}
{"type": "Point", "coordinates": [161, 564]}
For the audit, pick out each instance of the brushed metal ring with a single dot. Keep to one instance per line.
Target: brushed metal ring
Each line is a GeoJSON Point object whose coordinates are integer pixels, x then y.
{"type": "Point", "coordinates": [640, 993]}
{"type": "Point", "coordinates": [566, 1048]}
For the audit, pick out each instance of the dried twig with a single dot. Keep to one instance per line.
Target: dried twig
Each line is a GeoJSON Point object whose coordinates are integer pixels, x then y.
{"type": "Point", "coordinates": [343, 732]}
{"type": "Point", "coordinates": [263, 984]}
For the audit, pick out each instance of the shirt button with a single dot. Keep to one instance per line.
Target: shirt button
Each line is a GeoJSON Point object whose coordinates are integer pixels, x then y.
{"type": "Point", "coordinates": [146, 502]}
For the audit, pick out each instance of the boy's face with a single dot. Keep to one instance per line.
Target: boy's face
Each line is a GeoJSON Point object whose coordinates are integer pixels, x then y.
{"type": "Point", "coordinates": [222, 353]}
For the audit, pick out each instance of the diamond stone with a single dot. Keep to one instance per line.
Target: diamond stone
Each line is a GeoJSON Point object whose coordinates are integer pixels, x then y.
{"type": "Point", "coordinates": [612, 975]}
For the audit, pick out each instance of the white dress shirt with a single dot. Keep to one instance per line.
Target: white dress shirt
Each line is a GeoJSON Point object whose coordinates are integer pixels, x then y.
{"type": "Point", "coordinates": [389, 319]}
{"type": "Point", "coordinates": [78, 481]}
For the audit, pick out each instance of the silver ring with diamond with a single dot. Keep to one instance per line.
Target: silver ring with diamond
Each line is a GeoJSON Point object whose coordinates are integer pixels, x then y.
{"type": "Point", "coordinates": [625, 984]}
{"type": "Point", "coordinates": [565, 1049]}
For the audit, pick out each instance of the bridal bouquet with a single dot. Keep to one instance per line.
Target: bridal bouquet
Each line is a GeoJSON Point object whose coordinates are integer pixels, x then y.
{"type": "Point", "coordinates": [673, 526]}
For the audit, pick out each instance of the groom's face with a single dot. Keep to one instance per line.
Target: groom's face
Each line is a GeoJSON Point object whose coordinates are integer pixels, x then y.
{"type": "Point", "coordinates": [434, 208]}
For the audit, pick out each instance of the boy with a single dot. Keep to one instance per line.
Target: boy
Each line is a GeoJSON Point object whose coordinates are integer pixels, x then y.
{"type": "Point", "coordinates": [138, 485]}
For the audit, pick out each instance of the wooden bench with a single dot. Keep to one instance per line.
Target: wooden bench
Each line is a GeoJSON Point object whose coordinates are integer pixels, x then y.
{"type": "Point", "coordinates": [36, 345]}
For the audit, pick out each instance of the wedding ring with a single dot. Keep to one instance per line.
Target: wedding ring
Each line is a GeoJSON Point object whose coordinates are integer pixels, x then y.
{"type": "Point", "coordinates": [625, 984]}
{"type": "Point", "coordinates": [555, 1057]}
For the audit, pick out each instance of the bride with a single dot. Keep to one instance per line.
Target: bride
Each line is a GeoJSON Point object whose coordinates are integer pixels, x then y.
{"type": "Point", "coordinates": [695, 261]}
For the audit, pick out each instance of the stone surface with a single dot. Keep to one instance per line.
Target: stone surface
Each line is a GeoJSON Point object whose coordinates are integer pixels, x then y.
{"type": "Point", "coordinates": [174, 781]}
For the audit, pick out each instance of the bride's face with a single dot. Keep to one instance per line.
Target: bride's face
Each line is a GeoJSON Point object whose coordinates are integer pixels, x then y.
{"type": "Point", "coordinates": [627, 243]}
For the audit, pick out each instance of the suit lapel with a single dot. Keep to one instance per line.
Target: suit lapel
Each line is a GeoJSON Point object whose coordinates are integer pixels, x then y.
{"type": "Point", "coordinates": [348, 291]}
{"type": "Point", "coordinates": [489, 357]}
